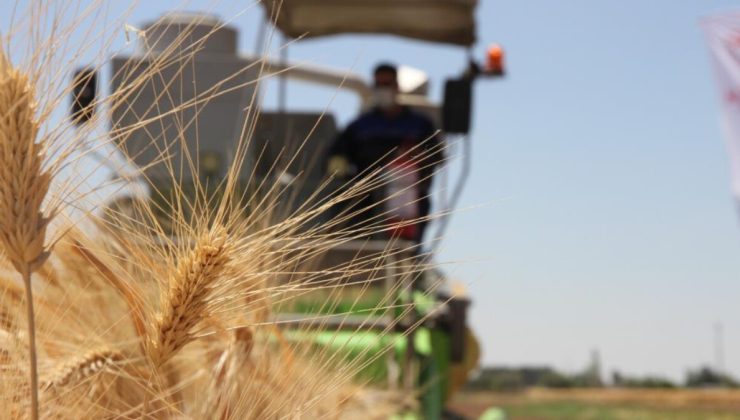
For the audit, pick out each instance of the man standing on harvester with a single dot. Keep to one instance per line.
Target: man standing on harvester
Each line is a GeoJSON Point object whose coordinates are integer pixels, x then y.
{"type": "Point", "coordinates": [395, 139]}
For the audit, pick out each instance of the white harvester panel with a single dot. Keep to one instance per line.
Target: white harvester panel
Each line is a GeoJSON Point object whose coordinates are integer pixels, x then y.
{"type": "Point", "coordinates": [187, 64]}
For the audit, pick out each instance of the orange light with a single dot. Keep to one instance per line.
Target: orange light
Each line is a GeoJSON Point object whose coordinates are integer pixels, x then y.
{"type": "Point", "coordinates": [495, 59]}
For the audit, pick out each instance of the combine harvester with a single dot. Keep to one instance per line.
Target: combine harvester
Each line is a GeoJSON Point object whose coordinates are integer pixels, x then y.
{"type": "Point", "coordinates": [426, 352]}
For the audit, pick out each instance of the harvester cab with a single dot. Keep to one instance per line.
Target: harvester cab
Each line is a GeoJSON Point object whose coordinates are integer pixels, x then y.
{"type": "Point", "coordinates": [428, 352]}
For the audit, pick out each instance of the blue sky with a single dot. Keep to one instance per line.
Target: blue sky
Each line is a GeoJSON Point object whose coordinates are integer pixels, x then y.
{"type": "Point", "coordinates": [602, 215]}
{"type": "Point", "coordinates": [611, 225]}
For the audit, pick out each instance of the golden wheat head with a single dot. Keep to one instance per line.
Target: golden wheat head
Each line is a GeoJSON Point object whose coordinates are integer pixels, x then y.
{"type": "Point", "coordinates": [79, 369]}
{"type": "Point", "coordinates": [23, 180]}
{"type": "Point", "coordinates": [185, 303]}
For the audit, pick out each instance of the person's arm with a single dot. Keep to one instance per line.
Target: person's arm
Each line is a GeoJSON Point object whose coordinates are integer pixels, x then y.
{"type": "Point", "coordinates": [338, 163]}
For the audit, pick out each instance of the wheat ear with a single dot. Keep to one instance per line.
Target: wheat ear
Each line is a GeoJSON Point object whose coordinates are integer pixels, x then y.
{"type": "Point", "coordinates": [77, 370]}
{"type": "Point", "coordinates": [23, 186]}
{"type": "Point", "coordinates": [185, 303]}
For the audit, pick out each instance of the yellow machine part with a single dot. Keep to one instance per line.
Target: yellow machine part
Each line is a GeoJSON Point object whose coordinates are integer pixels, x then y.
{"type": "Point", "coordinates": [459, 372]}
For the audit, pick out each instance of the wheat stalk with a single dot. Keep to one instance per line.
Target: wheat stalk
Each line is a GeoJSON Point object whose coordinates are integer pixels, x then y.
{"type": "Point", "coordinates": [128, 290]}
{"type": "Point", "coordinates": [186, 302]}
{"type": "Point", "coordinates": [23, 187]}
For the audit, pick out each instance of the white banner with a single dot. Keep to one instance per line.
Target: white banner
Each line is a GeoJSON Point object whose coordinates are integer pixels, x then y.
{"type": "Point", "coordinates": [723, 36]}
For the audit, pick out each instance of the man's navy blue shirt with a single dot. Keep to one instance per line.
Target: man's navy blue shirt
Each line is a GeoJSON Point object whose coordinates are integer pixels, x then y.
{"type": "Point", "coordinates": [374, 139]}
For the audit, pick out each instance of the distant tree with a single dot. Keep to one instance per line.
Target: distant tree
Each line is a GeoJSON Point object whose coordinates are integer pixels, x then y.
{"type": "Point", "coordinates": [554, 379]}
{"type": "Point", "coordinates": [656, 382]}
{"type": "Point", "coordinates": [617, 378]}
{"type": "Point", "coordinates": [705, 377]}
{"type": "Point", "coordinates": [479, 381]}
{"type": "Point", "coordinates": [620, 380]}
{"type": "Point", "coordinates": [508, 381]}
{"type": "Point", "coordinates": [496, 379]}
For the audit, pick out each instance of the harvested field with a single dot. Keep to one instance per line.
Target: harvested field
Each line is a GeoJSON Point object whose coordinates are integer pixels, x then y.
{"type": "Point", "coordinates": [649, 404]}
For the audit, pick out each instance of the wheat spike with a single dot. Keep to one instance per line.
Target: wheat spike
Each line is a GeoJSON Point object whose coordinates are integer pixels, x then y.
{"type": "Point", "coordinates": [186, 302]}
{"type": "Point", "coordinates": [23, 180]}
{"type": "Point", "coordinates": [77, 370]}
